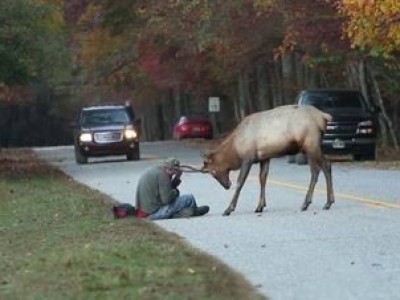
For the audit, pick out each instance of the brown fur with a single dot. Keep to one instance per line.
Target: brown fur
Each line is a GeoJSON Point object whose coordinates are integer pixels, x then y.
{"type": "Point", "coordinates": [264, 135]}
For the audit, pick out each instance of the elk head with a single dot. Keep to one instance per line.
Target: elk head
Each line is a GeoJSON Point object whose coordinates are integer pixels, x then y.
{"type": "Point", "coordinates": [215, 166]}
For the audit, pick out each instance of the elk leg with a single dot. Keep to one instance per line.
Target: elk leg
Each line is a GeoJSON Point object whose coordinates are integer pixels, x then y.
{"type": "Point", "coordinates": [264, 168]}
{"type": "Point", "coordinates": [327, 170]}
{"type": "Point", "coordinates": [314, 168]}
{"type": "Point", "coordinates": [244, 172]}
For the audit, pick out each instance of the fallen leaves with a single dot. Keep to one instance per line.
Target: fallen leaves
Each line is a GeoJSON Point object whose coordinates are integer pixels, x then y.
{"type": "Point", "coordinates": [22, 162]}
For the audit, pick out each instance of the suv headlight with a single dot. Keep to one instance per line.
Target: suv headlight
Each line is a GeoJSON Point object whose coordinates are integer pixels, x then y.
{"type": "Point", "coordinates": [331, 127]}
{"type": "Point", "coordinates": [365, 127]}
{"type": "Point", "coordinates": [85, 137]}
{"type": "Point", "coordinates": [130, 134]}
{"type": "Point", "coordinates": [365, 123]}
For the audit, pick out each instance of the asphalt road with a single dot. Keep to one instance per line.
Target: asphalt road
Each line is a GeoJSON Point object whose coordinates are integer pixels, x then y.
{"type": "Point", "coordinates": [349, 252]}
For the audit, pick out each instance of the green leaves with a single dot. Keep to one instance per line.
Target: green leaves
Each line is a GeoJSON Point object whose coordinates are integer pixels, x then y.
{"type": "Point", "coordinates": [32, 41]}
{"type": "Point", "coordinates": [373, 26]}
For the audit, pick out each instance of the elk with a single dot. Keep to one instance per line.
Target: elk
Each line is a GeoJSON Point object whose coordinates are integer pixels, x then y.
{"type": "Point", "coordinates": [261, 136]}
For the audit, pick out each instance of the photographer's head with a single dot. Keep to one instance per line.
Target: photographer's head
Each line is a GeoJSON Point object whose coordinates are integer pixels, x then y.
{"type": "Point", "coordinates": [171, 166]}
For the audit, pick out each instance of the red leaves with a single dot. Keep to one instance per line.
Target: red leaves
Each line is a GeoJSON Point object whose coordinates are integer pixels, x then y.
{"type": "Point", "coordinates": [74, 9]}
{"type": "Point", "coordinates": [316, 28]}
{"type": "Point", "coordinates": [16, 93]}
{"type": "Point", "coordinates": [157, 68]}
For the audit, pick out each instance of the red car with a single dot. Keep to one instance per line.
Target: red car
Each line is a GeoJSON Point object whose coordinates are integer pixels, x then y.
{"type": "Point", "coordinates": [193, 127]}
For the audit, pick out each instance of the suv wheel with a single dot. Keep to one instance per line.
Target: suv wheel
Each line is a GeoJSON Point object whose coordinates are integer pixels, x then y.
{"type": "Point", "coordinates": [79, 157]}
{"type": "Point", "coordinates": [134, 154]}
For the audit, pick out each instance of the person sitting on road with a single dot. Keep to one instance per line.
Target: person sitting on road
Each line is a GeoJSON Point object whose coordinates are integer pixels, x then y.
{"type": "Point", "coordinates": [158, 197]}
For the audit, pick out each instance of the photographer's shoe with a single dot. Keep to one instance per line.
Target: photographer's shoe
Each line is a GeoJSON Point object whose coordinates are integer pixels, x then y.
{"type": "Point", "coordinates": [185, 213]}
{"type": "Point", "coordinates": [201, 210]}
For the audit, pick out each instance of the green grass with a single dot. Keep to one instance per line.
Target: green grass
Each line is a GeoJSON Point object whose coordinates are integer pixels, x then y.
{"type": "Point", "coordinates": [59, 240]}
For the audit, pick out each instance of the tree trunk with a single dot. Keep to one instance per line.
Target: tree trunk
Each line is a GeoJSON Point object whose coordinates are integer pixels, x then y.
{"type": "Point", "coordinates": [362, 73]}
{"type": "Point", "coordinates": [352, 75]}
{"type": "Point", "coordinates": [384, 114]}
{"type": "Point", "coordinates": [311, 77]}
{"type": "Point", "coordinates": [177, 101]}
{"type": "Point", "coordinates": [301, 72]}
{"type": "Point", "coordinates": [289, 78]}
{"type": "Point", "coordinates": [8, 129]}
{"type": "Point", "coordinates": [277, 86]}
{"type": "Point", "coordinates": [242, 95]}
{"type": "Point", "coordinates": [262, 87]}
{"type": "Point", "coordinates": [358, 78]}
{"type": "Point", "coordinates": [150, 124]}
{"type": "Point", "coordinates": [169, 114]}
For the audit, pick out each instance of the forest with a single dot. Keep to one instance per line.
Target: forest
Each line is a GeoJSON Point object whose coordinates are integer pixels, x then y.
{"type": "Point", "coordinates": [169, 56]}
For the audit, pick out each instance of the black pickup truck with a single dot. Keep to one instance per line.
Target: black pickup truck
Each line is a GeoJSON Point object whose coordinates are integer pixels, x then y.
{"type": "Point", "coordinates": [353, 128]}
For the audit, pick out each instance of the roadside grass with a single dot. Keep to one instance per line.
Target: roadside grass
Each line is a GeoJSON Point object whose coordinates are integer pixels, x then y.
{"type": "Point", "coordinates": [59, 240]}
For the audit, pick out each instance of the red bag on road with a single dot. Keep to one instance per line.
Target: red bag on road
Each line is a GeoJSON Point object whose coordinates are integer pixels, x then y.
{"type": "Point", "coordinates": [123, 210]}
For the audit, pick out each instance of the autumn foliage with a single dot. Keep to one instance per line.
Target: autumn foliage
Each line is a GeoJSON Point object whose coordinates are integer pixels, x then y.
{"type": "Point", "coordinates": [32, 45]}
{"type": "Point", "coordinates": [256, 53]}
{"type": "Point", "coordinates": [372, 25]}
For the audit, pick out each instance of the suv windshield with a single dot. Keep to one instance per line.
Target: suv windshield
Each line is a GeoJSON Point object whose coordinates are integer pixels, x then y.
{"type": "Point", "coordinates": [329, 100]}
{"type": "Point", "coordinates": [100, 117]}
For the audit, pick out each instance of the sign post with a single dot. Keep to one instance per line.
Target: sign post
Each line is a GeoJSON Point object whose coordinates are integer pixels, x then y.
{"type": "Point", "coordinates": [214, 107]}
{"type": "Point", "coordinates": [213, 104]}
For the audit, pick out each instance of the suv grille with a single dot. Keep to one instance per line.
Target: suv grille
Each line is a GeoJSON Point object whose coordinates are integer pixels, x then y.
{"type": "Point", "coordinates": [107, 137]}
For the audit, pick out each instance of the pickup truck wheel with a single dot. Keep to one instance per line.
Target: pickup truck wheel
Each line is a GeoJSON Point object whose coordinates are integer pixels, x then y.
{"type": "Point", "coordinates": [367, 155]}
{"type": "Point", "coordinates": [291, 159]}
{"type": "Point", "coordinates": [301, 159]}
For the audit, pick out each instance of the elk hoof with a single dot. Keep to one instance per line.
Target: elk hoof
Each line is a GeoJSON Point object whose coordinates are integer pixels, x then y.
{"type": "Point", "coordinates": [259, 210]}
{"type": "Point", "coordinates": [305, 206]}
{"type": "Point", "coordinates": [327, 206]}
{"type": "Point", "coordinates": [227, 212]}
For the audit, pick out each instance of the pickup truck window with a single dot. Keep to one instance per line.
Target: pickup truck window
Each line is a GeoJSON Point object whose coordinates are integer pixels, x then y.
{"type": "Point", "coordinates": [335, 100]}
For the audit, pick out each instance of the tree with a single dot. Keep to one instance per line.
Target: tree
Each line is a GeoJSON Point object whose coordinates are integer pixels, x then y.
{"type": "Point", "coordinates": [32, 43]}
{"type": "Point", "coordinates": [373, 26]}
{"type": "Point", "coordinates": [248, 50]}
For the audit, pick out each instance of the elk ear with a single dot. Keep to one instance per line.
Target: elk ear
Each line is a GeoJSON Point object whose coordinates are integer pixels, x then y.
{"type": "Point", "coordinates": [208, 156]}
